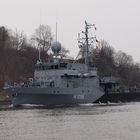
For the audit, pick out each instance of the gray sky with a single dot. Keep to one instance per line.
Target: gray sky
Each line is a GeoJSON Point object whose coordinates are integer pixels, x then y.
{"type": "Point", "coordinates": [117, 21]}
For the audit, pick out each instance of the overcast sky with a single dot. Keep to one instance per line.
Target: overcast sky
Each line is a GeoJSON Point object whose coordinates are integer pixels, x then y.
{"type": "Point", "coordinates": [117, 21]}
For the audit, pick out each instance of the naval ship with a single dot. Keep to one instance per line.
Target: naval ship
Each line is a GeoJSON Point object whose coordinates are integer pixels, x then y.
{"type": "Point", "coordinates": [60, 82]}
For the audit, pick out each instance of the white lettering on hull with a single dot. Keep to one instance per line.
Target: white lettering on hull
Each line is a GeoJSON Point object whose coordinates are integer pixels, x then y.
{"type": "Point", "coordinates": [79, 97]}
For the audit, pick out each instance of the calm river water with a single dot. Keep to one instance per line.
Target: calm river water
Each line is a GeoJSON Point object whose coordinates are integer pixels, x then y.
{"type": "Point", "coordinates": [85, 122]}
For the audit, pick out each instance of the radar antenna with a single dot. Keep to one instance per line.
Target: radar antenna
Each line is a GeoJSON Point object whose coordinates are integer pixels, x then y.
{"type": "Point", "coordinates": [56, 46]}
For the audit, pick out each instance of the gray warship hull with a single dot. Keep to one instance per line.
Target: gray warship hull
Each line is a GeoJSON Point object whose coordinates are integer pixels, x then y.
{"type": "Point", "coordinates": [48, 96]}
{"type": "Point", "coordinates": [60, 81]}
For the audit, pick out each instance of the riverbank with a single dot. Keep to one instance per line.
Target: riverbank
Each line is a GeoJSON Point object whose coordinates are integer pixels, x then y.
{"type": "Point", "coordinates": [2, 96]}
{"type": "Point", "coordinates": [120, 97]}
{"type": "Point", "coordinates": [4, 102]}
{"type": "Point", "coordinates": [5, 105]}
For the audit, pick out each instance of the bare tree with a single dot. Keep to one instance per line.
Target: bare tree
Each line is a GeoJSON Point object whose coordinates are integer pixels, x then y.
{"type": "Point", "coordinates": [105, 59]}
{"type": "Point", "coordinates": [64, 52]}
{"type": "Point", "coordinates": [126, 68]}
{"type": "Point", "coordinates": [123, 59]}
{"type": "Point", "coordinates": [18, 39]}
{"type": "Point", "coordinates": [4, 39]}
{"type": "Point", "coordinates": [42, 37]}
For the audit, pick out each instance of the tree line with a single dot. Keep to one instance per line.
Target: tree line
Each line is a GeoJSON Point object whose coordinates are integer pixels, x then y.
{"type": "Point", "coordinates": [18, 55]}
{"type": "Point", "coordinates": [117, 64]}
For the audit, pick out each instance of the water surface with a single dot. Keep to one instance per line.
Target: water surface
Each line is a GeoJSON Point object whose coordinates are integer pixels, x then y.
{"type": "Point", "coordinates": [85, 122]}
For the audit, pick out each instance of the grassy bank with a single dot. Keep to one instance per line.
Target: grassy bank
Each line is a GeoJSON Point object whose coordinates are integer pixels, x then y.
{"type": "Point", "coordinates": [3, 96]}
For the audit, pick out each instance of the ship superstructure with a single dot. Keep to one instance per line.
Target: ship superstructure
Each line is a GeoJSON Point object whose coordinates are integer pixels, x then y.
{"type": "Point", "coordinates": [60, 81]}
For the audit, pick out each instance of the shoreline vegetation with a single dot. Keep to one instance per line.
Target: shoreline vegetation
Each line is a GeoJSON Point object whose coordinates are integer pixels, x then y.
{"type": "Point", "coordinates": [18, 56]}
{"type": "Point", "coordinates": [3, 96]}
{"type": "Point", "coordinates": [4, 102]}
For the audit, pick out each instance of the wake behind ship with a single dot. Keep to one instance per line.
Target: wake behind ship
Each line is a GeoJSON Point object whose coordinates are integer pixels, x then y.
{"type": "Point", "coordinates": [60, 82]}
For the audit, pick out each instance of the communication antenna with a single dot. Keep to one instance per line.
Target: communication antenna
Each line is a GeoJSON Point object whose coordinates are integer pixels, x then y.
{"type": "Point", "coordinates": [56, 31]}
{"type": "Point", "coordinates": [56, 25]}
{"type": "Point", "coordinates": [39, 54]}
{"type": "Point", "coordinates": [39, 44]}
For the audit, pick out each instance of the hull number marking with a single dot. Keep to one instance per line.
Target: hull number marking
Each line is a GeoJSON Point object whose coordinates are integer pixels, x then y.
{"type": "Point", "coordinates": [79, 97]}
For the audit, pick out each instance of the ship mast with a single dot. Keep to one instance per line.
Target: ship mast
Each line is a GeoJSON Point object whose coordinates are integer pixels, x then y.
{"type": "Point", "coordinates": [87, 44]}
{"type": "Point", "coordinates": [87, 27]}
